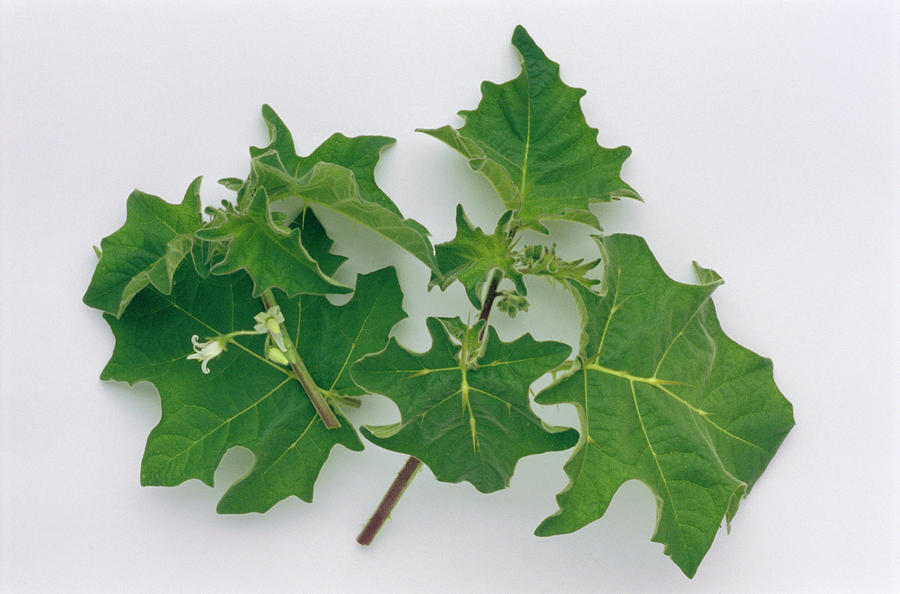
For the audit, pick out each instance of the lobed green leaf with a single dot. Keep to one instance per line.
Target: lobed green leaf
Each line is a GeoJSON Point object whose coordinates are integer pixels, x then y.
{"type": "Point", "coordinates": [247, 400]}
{"type": "Point", "coordinates": [529, 138]}
{"type": "Point", "coordinates": [465, 422]}
{"type": "Point", "coordinates": [667, 398]}
{"type": "Point", "coordinates": [146, 251]}
{"type": "Point", "coordinates": [472, 257]}
{"type": "Point", "coordinates": [338, 175]}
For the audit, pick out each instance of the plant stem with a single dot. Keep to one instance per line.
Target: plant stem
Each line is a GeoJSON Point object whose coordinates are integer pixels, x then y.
{"type": "Point", "coordinates": [413, 464]}
{"type": "Point", "coordinates": [390, 499]}
{"type": "Point", "coordinates": [489, 298]}
{"type": "Point", "coordinates": [302, 373]}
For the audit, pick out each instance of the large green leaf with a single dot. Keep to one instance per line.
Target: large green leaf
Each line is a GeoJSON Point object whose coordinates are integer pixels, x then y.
{"type": "Point", "coordinates": [472, 256]}
{"type": "Point", "coordinates": [338, 175]}
{"type": "Point", "coordinates": [667, 398]}
{"type": "Point", "coordinates": [329, 338]}
{"type": "Point", "coordinates": [273, 255]}
{"type": "Point", "coordinates": [464, 421]}
{"type": "Point", "coordinates": [529, 138]}
{"type": "Point", "coordinates": [147, 250]}
{"type": "Point", "coordinates": [246, 400]}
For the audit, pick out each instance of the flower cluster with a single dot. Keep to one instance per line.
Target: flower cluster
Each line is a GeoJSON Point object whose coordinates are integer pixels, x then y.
{"type": "Point", "coordinates": [267, 322]}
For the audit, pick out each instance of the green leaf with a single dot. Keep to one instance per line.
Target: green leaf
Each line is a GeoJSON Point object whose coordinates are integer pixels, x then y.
{"type": "Point", "coordinates": [667, 398]}
{"type": "Point", "coordinates": [338, 175]}
{"type": "Point", "coordinates": [244, 401]}
{"type": "Point", "coordinates": [331, 338]}
{"type": "Point", "coordinates": [247, 400]}
{"type": "Point", "coordinates": [272, 255]}
{"type": "Point", "coordinates": [529, 138]}
{"type": "Point", "coordinates": [542, 261]}
{"type": "Point", "coordinates": [147, 250]}
{"type": "Point", "coordinates": [471, 424]}
{"type": "Point", "coordinates": [232, 183]}
{"type": "Point", "coordinates": [472, 256]}
{"type": "Point", "coordinates": [358, 154]}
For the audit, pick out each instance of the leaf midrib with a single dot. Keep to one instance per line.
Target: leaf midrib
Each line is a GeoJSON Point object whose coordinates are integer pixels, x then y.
{"type": "Point", "coordinates": [355, 340]}
{"type": "Point", "coordinates": [662, 475]}
{"type": "Point", "coordinates": [661, 384]}
{"type": "Point", "coordinates": [522, 188]}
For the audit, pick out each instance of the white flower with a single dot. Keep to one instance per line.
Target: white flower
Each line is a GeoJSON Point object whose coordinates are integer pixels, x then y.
{"type": "Point", "coordinates": [270, 321]}
{"type": "Point", "coordinates": [206, 351]}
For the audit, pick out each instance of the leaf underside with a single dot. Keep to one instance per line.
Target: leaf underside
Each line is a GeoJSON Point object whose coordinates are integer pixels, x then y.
{"type": "Point", "coordinates": [146, 251]}
{"type": "Point", "coordinates": [274, 257]}
{"type": "Point", "coordinates": [529, 138]}
{"type": "Point", "coordinates": [464, 424]}
{"type": "Point", "coordinates": [665, 397]}
{"type": "Point", "coordinates": [338, 175]}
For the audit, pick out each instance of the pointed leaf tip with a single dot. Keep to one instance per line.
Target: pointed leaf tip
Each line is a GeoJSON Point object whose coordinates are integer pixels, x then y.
{"type": "Point", "coordinates": [521, 39]}
{"type": "Point", "coordinates": [508, 139]}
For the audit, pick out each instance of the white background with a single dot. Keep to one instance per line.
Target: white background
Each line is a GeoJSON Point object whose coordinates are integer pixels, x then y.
{"type": "Point", "coordinates": [765, 146]}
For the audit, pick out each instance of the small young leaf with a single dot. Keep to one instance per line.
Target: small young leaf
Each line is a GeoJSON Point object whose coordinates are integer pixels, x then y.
{"type": "Point", "coordinates": [147, 250]}
{"type": "Point", "coordinates": [232, 183]}
{"type": "Point", "coordinates": [667, 398]}
{"type": "Point", "coordinates": [272, 255]}
{"type": "Point", "coordinates": [466, 424]}
{"type": "Point", "coordinates": [472, 256]}
{"type": "Point", "coordinates": [529, 138]}
{"type": "Point", "coordinates": [543, 262]}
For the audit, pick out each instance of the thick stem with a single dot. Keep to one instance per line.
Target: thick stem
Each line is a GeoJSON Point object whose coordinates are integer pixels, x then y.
{"type": "Point", "coordinates": [413, 464]}
{"type": "Point", "coordinates": [302, 373]}
{"type": "Point", "coordinates": [390, 499]}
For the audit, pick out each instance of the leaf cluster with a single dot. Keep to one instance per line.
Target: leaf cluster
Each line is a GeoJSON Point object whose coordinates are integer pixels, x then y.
{"type": "Point", "coordinates": [663, 395]}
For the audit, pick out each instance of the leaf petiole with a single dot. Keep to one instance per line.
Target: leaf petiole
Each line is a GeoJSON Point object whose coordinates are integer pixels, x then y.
{"type": "Point", "coordinates": [301, 372]}
{"type": "Point", "coordinates": [351, 401]}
